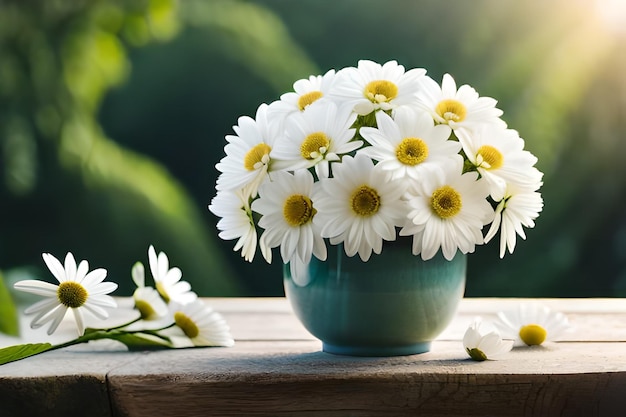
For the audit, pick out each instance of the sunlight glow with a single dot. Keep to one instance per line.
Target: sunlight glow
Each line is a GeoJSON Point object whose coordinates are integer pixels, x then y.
{"type": "Point", "coordinates": [613, 14]}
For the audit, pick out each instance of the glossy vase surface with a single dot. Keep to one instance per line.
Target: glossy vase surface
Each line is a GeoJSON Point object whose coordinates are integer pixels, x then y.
{"type": "Point", "coordinates": [393, 304]}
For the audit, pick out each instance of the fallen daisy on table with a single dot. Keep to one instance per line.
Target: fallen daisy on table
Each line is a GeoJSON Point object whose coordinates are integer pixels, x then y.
{"type": "Point", "coordinates": [168, 315]}
{"type": "Point", "coordinates": [489, 346]}
{"type": "Point", "coordinates": [148, 301]}
{"type": "Point", "coordinates": [532, 324]}
{"type": "Point", "coordinates": [197, 324]}
{"type": "Point", "coordinates": [78, 290]}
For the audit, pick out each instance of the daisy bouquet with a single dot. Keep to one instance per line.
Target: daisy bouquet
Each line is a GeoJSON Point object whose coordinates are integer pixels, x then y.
{"type": "Point", "coordinates": [365, 154]}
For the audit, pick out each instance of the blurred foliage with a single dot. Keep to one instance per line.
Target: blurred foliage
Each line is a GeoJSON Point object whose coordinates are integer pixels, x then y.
{"type": "Point", "coordinates": [93, 94]}
{"type": "Point", "coordinates": [9, 323]}
{"type": "Point", "coordinates": [66, 185]}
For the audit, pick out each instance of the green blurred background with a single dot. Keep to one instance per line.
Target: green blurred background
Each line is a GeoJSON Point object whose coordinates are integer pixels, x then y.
{"type": "Point", "coordinates": [113, 115]}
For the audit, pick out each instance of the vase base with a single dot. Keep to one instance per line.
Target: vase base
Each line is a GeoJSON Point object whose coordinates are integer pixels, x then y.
{"type": "Point", "coordinates": [377, 351]}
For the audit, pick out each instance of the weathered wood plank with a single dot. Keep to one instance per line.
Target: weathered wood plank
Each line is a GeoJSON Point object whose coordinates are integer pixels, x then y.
{"type": "Point", "coordinates": [295, 378]}
{"type": "Point", "coordinates": [60, 384]}
{"type": "Point", "coordinates": [52, 396]}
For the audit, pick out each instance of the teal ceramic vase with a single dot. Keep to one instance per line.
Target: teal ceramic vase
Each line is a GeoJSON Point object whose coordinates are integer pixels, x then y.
{"type": "Point", "coordinates": [393, 304]}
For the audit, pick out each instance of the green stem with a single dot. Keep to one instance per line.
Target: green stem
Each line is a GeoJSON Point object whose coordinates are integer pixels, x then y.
{"type": "Point", "coordinates": [122, 325]}
{"type": "Point", "coordinates": [131, 338]}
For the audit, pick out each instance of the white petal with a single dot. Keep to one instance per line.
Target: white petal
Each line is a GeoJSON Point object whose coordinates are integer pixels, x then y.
{"type": "Point", "coordinates": [80, 323]}
{"type": "Point", "coordinates": [102, 288]}
{"type": "Point", "coordinates": [163, 265]}
{"type": "Point", "coordinates": [55, 315]}
{"type": "Point", "coordinates": [42, 307]}
{"type": "Point", "coordinates": [153, 261]}
{"type": "Point", "coordinates": [102, 300]}
{"type": "Point", "coordinates": [83, 268]}
{"type": "Point", "coordinates": [55, 267]}
{"type": "Point", "coordinates": [94, 277]}
{"type": "Point", "coordinates": [471, 338]}
{"type": "Point", "coordinates": [138, 274]}
{"type": "Point", "coordinates": [172, 276]}
{"type": "Point", "coordinates": [95, 310]}
{"type": "Point", "coordinates": [33, 286]}
{"type": "Point", "coordinates": [57, 318]}
{"type": "Point", "coordinates": [70, 267]}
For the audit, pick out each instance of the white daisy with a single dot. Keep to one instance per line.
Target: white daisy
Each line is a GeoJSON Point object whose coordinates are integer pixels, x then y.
{"type": "Point", "coordinates": [286, 204]}
{"type": "Point", "coordinates": [197, 324]}
{"type": "Point", "coordinates": [448, 212]}
{"type": "Point", "coordinates": [78, 289]}
{"type": "Point", "coordinates": [519, 208]}
{"type": "Point", "coordinates": [499, 156]}
{"type": "Point", "coordinates": [305, 92]}
{"type": "Point", "coordinates": [484, 347]}
{"type": "Point", "coordinates": [168, 280]}
{"type": "Point", "coordinates": [316, 137]}
{"type": "Point", "coordinates": [233, 206]}
{"type": "Point", "coordinates": [409, 144]}
{"type": "Point", "coordinates": [532, 324]}
{"type": "Point", "coordinates": [372, 86]}
{"type": "Point", "coordinates": [248, 153]}
{"type": "Point", "coordinates": [360, 206]}
{"type": "Point", "coordinates": [457, 108]}
{"type": "Point", "coordinates": [147, 300]}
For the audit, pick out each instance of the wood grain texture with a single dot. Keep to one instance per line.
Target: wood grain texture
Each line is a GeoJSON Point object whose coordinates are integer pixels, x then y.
{"type": "Point", "coordinates": [275, 379]}
{"type": "Point", "coordinates": [277, 368]}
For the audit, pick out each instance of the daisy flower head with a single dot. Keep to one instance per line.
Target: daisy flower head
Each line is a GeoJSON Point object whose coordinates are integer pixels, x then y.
{"type": "Point", "coordinates": [287, 206]}
{"type": "Point", "coordinates": [448, 212]}
{"type": "Point", "coordinates": [481, 347]}
{"type": "Point", "coordinates": [518, 209]}
{"type": "Point", "coordinates": [147, 300]}
{"type": "Point", "coordinates": [532, 324]}
{"type": "Point", "coordinates": [372, 86]}
{"type": "Point", "coordinates": [236, 222]}
{"type": "Point", "coordinates": [248, 152]}
{"type": "Point", "coordinates": [78, 290]}
{"type": "Point", "coordinates": [409, 144]}
{"type": "Point", "coordinates": [315, 138]}
{"type": "Point", "coordinates": [498, 155]}
{"type": "Point", "coordinates": [197, 324]}
{"type": "Point", "coordinates": [360, 206]}
{"type": "Point", "coordinates": [168, 280]}
{"type": "Point", "coordinates": [305, 92]}
{"type": "Point", "coordinates": [457, 108]}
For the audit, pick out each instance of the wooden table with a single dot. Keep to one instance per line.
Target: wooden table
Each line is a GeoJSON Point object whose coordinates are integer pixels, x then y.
{"type": "Point", "coordinates": [277, 369]}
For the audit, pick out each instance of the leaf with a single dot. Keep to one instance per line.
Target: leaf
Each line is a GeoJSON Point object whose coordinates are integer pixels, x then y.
{"type": "Point", "coordinates": [9, 321]}
{"type": "Point", "coordinates": [17, 352]}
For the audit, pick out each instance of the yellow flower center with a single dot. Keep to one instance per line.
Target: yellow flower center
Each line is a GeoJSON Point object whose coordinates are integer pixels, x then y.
{"type": "Point", "coordinates": [257, 156]}
{"type": "Point", "coordinates": [72, 294]}
{"type": "Point", "coordinates": [145, 309]}
{"type": "Point", "coordinates": [314, 145]}
{"type": "Point", "coordinates": [298, 210]}
{"type": "Point", "coordinates": [489, 157]}
{"type": "Point", "coordinates": [365, 201]}
{"type": "Point", "coordinates": [451, 110]}
{"type": "Point", "coordinates": [446, 202]}
{"type": "Point", "coordinates": [308, 98]}
{"type": "Point", "coordinates": [533, 334]}
{"type": "Point", "coordinates": [380, 91]}
{"type": "Point", "coordinates": [186, 324]}
{"type": "Point", "coordinates": [476, 354]}
{"type": "Point", "coordinates": [412, 151]}
{"type": "Point", "coordinates": [161, 290]}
